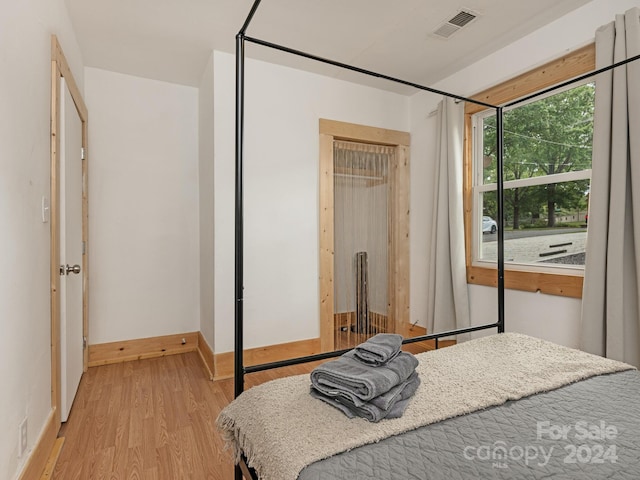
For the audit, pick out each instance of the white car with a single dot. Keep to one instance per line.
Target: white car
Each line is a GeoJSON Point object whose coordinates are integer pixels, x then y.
{"type": "Point", "coordinates": [489, 225]}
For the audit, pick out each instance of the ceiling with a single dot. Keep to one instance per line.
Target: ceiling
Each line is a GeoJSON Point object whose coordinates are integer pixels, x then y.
{"type": "Point", "coordinates": [171, 40]}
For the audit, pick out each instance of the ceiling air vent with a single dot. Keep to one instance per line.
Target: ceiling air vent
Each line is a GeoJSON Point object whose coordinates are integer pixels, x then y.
{"type": "Point", "coordinates": [461, 19]}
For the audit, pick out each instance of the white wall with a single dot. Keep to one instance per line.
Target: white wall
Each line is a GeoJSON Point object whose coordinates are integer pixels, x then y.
{"type": "Point", "coordinates": [550, 317]}
{"type": "Point", "coordinates": [25, 99]}
{"type": "Point", "coordinates": [205, 176]}
{"type": "Point", "coordinates": [283, 106]}
{"type": "Point", "coordinates": [143, 199]}
{"type": "Point", "coordinates": [545, 316]}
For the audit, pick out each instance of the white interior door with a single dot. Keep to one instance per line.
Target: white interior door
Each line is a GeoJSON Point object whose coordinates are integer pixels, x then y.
{"type": "Point", "coordinates": [71, 325]}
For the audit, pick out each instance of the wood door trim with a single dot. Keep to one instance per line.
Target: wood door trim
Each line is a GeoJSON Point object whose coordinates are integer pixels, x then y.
{"type": "Point", "coordinates": [60, 69]}
{"type": "Point", "coordinates": [326, 241]}
{"type": "Point", "coordinates": [331, 130]}
{"type": "Point", "coordinates": [363, 133]}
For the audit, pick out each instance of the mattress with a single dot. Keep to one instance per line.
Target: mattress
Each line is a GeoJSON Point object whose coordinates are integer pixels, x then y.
{"type": "Point", "coordinates": [586, 430]}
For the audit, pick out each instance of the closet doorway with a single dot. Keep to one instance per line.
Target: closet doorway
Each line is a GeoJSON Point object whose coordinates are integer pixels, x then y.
{"type": "Point", "coordinates": [364, 233]}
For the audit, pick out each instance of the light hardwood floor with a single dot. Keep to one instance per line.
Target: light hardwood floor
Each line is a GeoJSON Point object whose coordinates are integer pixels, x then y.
{"type": "Point", "coordinates": [153, 420]}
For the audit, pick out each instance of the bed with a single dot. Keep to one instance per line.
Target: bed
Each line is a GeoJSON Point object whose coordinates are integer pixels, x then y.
{"type": "Point", "coordinates": [502, 406]}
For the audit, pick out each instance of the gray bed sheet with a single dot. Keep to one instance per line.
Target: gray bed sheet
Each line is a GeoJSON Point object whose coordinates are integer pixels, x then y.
{"type": "Point", "coordinates": [589, 430]}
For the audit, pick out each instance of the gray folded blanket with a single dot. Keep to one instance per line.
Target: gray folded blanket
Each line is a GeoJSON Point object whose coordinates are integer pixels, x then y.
{"type": "Point", "coordinates": [349, 378]}
{"type": "Point", "coordinates": [392, 405]}
{"type": "Point", "coordinates": [379, 349]}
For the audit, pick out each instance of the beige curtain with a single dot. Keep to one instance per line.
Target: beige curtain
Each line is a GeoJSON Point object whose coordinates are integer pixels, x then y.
{"type": "Point", "coordinates": [448, 302]}
{"type": "Point", "coordinates": [610, 298]}
{"type": "Point", "coordinates": [361, 227]}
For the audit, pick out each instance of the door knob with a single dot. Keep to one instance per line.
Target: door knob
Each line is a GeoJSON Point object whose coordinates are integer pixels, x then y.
{"type": "Point", "coordinates": [75, 269]}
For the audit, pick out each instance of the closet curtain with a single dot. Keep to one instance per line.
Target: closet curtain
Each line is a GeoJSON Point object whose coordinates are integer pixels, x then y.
{"type": "Point", "coordinates": [361, 227]}
{"type": "Point", "coordinates": [610, 297]}
{"type": "Point", "coordinates": [448, 300]}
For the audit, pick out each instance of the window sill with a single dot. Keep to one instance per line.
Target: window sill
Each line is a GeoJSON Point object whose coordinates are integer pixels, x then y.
{"type": "Point", "coordinates": [560, 284]}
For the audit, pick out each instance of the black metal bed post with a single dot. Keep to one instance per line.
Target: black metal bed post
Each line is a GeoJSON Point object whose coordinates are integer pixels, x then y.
{"type": "Point", "coordinates": [238, 359]}
{"type": "Point", "coordinates": [239, 220]}
{"type": "Point", "coordinates": [238, 352]}
{"type": "Point", "coordinates": [500, 195]}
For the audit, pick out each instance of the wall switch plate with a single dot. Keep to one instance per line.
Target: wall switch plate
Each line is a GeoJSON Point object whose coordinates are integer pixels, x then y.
{"type": "Point", "coordinates": [45, 210]}
{"type": "Point", "coordinates": [22, 437]}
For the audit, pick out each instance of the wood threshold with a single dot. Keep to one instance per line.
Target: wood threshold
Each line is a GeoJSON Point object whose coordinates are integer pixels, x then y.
{"type": "Point", "coordinates": [53, 459]}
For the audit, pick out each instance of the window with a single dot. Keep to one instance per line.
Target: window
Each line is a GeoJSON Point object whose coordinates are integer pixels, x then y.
{"type": "Point", "coordinates": [547, 168]}
{"type": "Point", "coordinates": [547, 171]}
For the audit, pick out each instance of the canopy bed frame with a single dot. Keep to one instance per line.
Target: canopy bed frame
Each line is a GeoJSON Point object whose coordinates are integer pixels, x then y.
{"type": "Point", "coordinates": [241, 38]}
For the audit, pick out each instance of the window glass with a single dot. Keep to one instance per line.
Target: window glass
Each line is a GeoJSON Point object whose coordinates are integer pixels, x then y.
{"type": "Point", "coordinates": [547, 171]}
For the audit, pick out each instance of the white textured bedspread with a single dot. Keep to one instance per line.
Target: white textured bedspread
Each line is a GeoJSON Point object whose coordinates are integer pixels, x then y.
{"type": "Point", "coordinates": [281, 428]}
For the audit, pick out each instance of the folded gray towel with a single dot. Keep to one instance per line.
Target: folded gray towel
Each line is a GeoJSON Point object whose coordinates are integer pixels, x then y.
{"type": "Point", "coordinates": [400, 392]}
{"type": "Point", "coordinates": [379, 349]}
{"type": "Point", "coordinates": [359, 383]}
{"type": "Point", "coordinates": [372, 411]}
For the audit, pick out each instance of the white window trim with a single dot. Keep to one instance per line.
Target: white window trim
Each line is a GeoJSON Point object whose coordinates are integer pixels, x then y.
{"type": "Point", "coordinates": [536, 181]}
{"type": "Point", "coordinates": [478, 188]}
